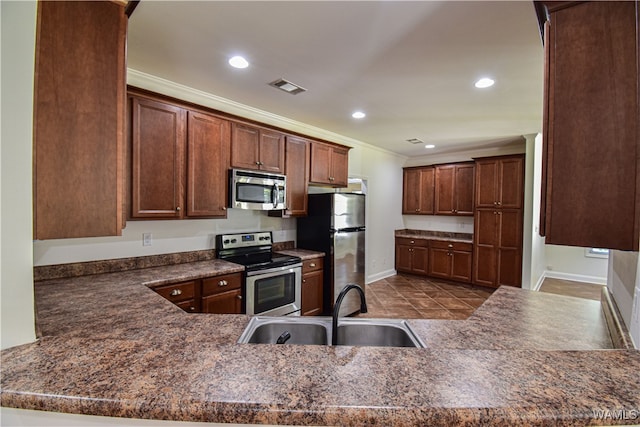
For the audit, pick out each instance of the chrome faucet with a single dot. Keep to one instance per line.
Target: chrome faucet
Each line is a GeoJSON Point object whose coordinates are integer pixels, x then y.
{"type": "Point", "coordinates": [336, 309]}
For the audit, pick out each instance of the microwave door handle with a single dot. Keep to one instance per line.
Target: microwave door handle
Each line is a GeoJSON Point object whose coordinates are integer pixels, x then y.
{"type": "Point", "coordinates": [274, 195]}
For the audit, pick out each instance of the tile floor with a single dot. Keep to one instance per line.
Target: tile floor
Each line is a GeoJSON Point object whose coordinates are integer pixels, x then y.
{"type": "Point", "coordinates": [416, 297]}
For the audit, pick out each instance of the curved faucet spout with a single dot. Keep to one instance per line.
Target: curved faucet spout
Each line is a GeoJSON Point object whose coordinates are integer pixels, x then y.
{"type": "Point", "coordinates": [336, 308]}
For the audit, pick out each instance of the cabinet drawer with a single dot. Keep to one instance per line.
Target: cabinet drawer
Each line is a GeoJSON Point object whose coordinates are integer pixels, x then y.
{"type": "Point", "coordinates": [456, 246]}
{"type": "Point", "coordinates": [177, 292]}
{"type": "Point", "coordinates": [412, 242]}
{"type": "Point", "coordinates": [217, 284]}
{"type": "Point", "coordinates": [189, 306]}
{"type": "Point", "coordinates": [312, 265]}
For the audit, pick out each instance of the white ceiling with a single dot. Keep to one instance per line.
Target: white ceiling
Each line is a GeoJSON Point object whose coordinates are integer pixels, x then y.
{"type": "Point", "coordinates": [409, 65]}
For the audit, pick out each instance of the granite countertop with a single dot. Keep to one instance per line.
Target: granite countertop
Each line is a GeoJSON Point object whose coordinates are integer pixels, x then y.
{"type": "Point", "coordinates": [111, 346]}
{"type": "Point", "coordinates": [304, 254]}
{"type": "Point", "coordinates": [435, 235]}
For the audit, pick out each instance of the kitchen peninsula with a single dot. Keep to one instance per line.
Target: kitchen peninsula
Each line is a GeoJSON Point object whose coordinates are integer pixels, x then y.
{"type": "Point", "coordinates": [110, 346]}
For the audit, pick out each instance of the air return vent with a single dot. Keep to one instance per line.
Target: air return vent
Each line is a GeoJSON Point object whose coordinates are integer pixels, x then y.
{"type": "Point", "coordinates": [287, 86]}
{"type": "Point", "coordinates": [415, 141]}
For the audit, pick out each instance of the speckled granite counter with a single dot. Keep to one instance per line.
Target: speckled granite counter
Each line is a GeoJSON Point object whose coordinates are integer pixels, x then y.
{"type": "Point", "coordinates": [304, 254]}
{"type": "Point", "coordinates": [435, 235]}
{"type": "Point", "coordinates": [113, 347]}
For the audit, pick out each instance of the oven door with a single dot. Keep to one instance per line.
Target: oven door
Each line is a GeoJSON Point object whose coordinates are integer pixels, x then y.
{"type": "Point", "coordinates": [274, 292]}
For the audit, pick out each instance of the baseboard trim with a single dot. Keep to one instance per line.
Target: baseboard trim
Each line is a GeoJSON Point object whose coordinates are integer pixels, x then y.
{"type": "Point", "coordinates": [620, 336]}
{"type": "Point", "coordinates": [381, 275]}
{"type": "Point", "coordinates": [574, 277]}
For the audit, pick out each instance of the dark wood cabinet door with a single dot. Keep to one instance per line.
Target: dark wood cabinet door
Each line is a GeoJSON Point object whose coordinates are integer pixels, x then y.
{"type": "Point", "coordinates": [297, 170]}
{"type": "Point", "coordinates": [486, 183]}
{"type": "Point", "coordinates": [229, 302]}
{"type": "Point", "coordinates": [79, 119]}
{"type": "Point", "coordinates": [403, 258]}
{"type": "Point", "coordinates": [440, 263]}
{"type": "Point", "coordinates": [411, 191]}
{"type": "Point", "coordinates": [271, 152]}
{"type": "Point", "coordinates": [485, 247]}
{"type": "Point", "coordinates": [158, 141]}
{"type": "Point", "coordinates": [444, 189]}
{"type": "Point", "coordinates": [461, 266]}
{"type": "Point", "coordinates": [245, 146]}
{"type": "Point", "coordinates": [207, 164]}
{"type": "Point", "coordinates": [339, 167]}
{"type": "Point", "coordinates": [463, 189]}
{"type": "Point", "coordinates": [511, 183]}
{"type": "Point", "coordinates": [592, 135]}
{"type": "Point", "coordinates": [320, 163]}
{"type": "Point", "coordinates": [312, 293]}
{"type": "Point", "coordinates": [427, 191]}
{"type": "Point", "coordinates": [420, 260]}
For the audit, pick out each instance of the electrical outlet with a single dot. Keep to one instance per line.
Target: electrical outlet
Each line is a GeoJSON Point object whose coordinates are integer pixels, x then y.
{"type": "Point", "coordinates": [146, 239]}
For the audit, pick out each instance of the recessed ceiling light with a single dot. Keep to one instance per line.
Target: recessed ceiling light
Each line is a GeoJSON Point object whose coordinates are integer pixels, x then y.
{"type": "Point", "coordinates": [238, 62]}
{"type": "Point", "coordinates": [484, 82]}
{"type": "Point", "coordinates": [358, 115]}
{"type": "Point", "coordinates": [429, 146]}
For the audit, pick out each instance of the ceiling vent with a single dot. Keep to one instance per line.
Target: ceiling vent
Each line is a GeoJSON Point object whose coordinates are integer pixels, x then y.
{"type": "Point", "coordinates": [288, 87]}
{"type": "Point", "coordinates": [415, 141]}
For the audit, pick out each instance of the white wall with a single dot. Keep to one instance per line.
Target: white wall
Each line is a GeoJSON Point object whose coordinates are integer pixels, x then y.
{"type": "Point", "coordinates": [624, 284]}
{"type": "Point", "coordinates": [16, 277]}
{"type": "Point", "coordinates": [571, 263]}
{"type": "Point", "coordinates": [538, 252]}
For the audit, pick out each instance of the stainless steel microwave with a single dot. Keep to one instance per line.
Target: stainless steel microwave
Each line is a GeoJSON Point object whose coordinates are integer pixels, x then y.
{"type": "Point", "coordinates": [257, 190]}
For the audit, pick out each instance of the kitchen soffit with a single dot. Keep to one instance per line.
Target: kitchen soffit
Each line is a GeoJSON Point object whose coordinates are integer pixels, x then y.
{"type": "Point", "coordinates": [410, 65]}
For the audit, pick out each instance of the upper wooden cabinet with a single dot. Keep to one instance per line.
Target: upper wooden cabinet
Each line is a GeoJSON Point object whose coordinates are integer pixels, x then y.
{"type": "Point", "coordinates": [329, 164]}
{"type": "Point", "coordinates": [257, 148]}
{"type": "Point", "coordinates": [418, 191]}
{"type": "Point", "coordinates": [591, 129]}
{"type": "Point", "coordinates": [179, 161]}
{"type": "Point", "coordinates": [499, 182]}
{"type": "Point", "coordinates": [297, 171]}
{"type": "Point", "coordinates": [454, 189]}
{"type": "Point", "coordinates": [79, 102]}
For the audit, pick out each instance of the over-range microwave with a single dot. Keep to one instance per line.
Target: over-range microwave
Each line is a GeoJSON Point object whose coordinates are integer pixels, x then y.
{"type": "Point", "coordinates": [257, 190]}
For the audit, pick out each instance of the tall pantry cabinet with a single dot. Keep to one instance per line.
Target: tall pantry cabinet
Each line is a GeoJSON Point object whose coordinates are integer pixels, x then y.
{"type": "Point", "coordinates": [498, 221]}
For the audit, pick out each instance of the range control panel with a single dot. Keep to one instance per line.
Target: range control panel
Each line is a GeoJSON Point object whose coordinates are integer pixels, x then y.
{"type": "Point", "coordinates": [243, 240]}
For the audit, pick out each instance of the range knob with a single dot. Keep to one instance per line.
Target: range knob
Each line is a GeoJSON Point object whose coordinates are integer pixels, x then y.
{"type": "Point", "coordinates": [226, 241]}
{"type": "Point", "coordinates": [233, 240]}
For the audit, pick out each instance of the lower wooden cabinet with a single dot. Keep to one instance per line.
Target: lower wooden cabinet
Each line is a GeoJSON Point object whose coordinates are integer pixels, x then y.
{"type": "Point", "coordinates": [412, 255]}
{"type": "Point", "coordinates": [450, 260]}
{"type": "Point", "coordinates": [312, 280]}
{"type": "Point", "coordinates": [435, 258]}
{"type": "Point", "coordinates": [222, 294]}
{"type": "Point", "coordinates": [185, 295]}
{"type": "Point", "coordinates": [219, 294]}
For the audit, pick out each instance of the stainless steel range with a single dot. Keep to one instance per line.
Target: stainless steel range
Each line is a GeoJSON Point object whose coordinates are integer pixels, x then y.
{"type": "Point", "coordinates": [272, 282]}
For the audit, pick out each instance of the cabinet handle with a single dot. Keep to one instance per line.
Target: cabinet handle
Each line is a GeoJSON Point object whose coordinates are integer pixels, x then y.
{"type": "Point", "coordinates": [224, 208]}
{"type": "Point", "coordinates": [304, 280]}
{"type": "Point", "coordinates": [259, 163]}
{"type": "Point", "coordinates": [223, 283]}
{"type": "Point", "coordinates": [449, 245]}
{"type": "Point", "coordinates": [412, 242]}
{"type": "Point", "coordinates": [239, 296]}
{"type": "Point", "coordinates": [331, 178]}
{"type": "Point", "coordinates": [313, 264]}
{"type": "Point", "coordinates": [178, 209]}
{"type": "Point", "coordinates": [499, 203]}
{"type": "Point", "coordinates": [175, 292]}
{"type": "Point", "coordinates": [192, 308]}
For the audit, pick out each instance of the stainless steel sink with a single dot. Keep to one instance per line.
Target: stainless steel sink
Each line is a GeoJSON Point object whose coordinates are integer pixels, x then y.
{"type": "Point", "coordinates": [317, 330]}
{"type": "Point", "coordinates": [381, 334]}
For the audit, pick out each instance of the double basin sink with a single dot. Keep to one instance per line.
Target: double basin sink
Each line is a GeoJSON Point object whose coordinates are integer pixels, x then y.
{"type": "Point", "coordinates": [318, 331]}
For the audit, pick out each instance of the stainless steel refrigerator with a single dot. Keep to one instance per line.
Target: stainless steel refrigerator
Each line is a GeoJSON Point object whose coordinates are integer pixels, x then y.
{"type": "Point", "coordinates": [335, 225]}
